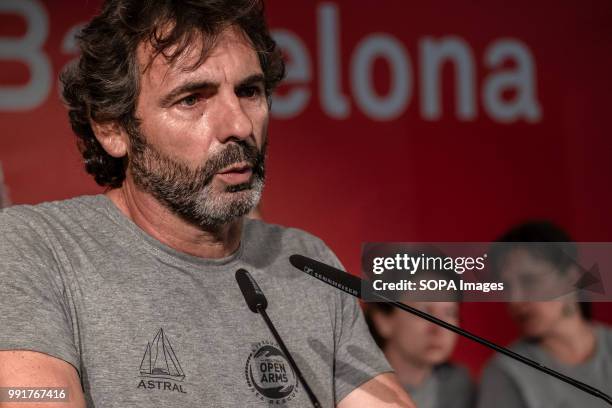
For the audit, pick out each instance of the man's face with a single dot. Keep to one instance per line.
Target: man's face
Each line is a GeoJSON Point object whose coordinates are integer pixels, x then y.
{"type": "Point", "coordinates": [200, 145]}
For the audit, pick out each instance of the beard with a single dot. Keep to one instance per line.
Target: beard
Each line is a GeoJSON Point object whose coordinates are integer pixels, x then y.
{"type": "Point", "coordinates": [189, 193]}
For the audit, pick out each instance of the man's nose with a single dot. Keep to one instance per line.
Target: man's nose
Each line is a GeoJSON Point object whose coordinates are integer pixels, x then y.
{"type": "Point", "coordinates": [234, 121]}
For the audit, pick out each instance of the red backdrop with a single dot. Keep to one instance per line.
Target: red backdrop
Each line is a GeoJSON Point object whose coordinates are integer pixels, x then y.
{"type": "Point", "coordinates": [435, 121]}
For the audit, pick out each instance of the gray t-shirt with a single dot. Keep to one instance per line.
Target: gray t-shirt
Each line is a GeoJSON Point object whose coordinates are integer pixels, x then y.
{"type": "Point", "coordinates": [507, 383]}
{"type": "Point", "coordinates": [448, 386]}
{"type": "Point", "coordinates": [146, 325]}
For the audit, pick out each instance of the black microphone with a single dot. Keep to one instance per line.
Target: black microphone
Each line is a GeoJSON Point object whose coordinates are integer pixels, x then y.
{"type": "Point", "coordinates": [255, 299]}
{"type": "Point", "coordinates": [257, 302]}
{"type": "Point", "coordinates": [353, 286]}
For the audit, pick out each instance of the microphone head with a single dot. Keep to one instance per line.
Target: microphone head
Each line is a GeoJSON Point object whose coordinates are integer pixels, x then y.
{"type": "Point", "coordinates": [253, 295]}
{"type": "Point", "coordinates": [332, 276]}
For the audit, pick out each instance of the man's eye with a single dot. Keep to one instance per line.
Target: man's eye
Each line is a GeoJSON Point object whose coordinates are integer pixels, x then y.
{"type": "Point", "coordinates": [248, 91]}
{"type": "Point", "coordinates": [190, 100]}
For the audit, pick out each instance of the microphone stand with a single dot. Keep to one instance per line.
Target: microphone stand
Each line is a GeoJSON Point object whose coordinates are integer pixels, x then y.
{"type": "Point", "coordinates": [257, 303]}
{"type": "Point", "coordinates": [578, 384]}
{"type": "Point", "coordinates": [281, 343]}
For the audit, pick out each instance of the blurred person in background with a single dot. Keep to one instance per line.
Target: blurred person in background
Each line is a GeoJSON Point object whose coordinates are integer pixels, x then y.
{"type": "Point", "coordinates": [419, 351]}
{"type": "Point", "coordinates": [558, 334]}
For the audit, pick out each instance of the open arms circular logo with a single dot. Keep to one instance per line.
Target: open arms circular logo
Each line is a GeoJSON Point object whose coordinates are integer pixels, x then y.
{"type": "Point", "coordinates": [269, 375]}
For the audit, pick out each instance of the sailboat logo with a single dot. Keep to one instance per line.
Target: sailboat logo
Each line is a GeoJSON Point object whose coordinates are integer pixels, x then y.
{"type": "Point", "coordinates": [159, 360]}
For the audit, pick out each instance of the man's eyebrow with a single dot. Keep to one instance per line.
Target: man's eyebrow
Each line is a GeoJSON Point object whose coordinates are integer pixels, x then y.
{"type": "Point", "coordinates": [202, 85]}
{"type": "Point", "coordinates": [186, 88]}
{"type": "Point", "coordinates": [252, 80]}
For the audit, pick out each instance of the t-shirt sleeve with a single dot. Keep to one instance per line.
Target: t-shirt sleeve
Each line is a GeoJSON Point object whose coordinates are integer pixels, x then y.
{"type": "Point", "coordinates": [34, 308]}
{"type": "Point", "coordinates": [497, 389]}
{"type": "Point", "coordinates": [357, 358]}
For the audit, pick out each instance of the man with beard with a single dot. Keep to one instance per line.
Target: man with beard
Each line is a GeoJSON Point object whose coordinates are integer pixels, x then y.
{"type": "Point", "coordinates": [128, 298]}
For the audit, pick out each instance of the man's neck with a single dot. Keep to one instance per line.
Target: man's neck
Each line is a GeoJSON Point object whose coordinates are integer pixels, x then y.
{"type": "Point", "coordinates": [170, 229]}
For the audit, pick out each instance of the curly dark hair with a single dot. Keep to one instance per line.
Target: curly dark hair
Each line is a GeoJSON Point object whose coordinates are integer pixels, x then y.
{"type": "Point", "coordinates": [103, 84]}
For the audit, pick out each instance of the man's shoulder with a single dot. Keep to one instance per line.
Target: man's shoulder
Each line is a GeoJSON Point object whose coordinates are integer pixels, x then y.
{"type": "Point", "coordinates": [49, 209]}
{"type": "Point", "coordinates": [38, 219]}
{"type": "Point", "coordinates": [30, 234]}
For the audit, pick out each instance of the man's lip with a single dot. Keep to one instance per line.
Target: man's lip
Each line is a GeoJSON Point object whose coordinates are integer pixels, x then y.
{"type": "Point", "coordinates": [236, 168]}
{"type": "Point", "coordinates": [236, 174]}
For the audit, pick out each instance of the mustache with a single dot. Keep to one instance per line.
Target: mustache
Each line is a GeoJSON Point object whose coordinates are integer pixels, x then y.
{"type": "Point", "coordinates": [235, 152]}
{"type": "Point", "coordinates": [151, 167]}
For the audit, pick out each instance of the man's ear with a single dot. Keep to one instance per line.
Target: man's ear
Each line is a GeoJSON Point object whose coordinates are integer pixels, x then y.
{"type": "Point", "coordinates": [112, 137]}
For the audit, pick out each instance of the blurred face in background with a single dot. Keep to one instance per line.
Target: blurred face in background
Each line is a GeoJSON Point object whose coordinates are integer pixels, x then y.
{"type": "Point", "coordinates": [419, 342]}
{"type": "Point", "coordinates": [530, 278]}
{"type": "Point", "coordinates": [537, 319]}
